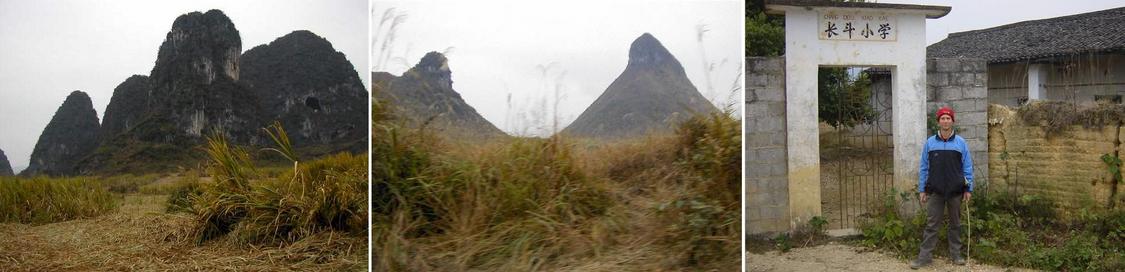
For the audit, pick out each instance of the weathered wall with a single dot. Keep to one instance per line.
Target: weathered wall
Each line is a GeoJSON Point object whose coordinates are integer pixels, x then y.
{"type": "Point", "coordinates": [766, 183]}
{"type": "Point", "coordinates": [1007, 83]}
{"type": "Point", "coordinates": [960, 84]}
{"type": "Point", "coordinates": [1066, 167]}
{"type": "Point", "coordinates": [1077, 79]}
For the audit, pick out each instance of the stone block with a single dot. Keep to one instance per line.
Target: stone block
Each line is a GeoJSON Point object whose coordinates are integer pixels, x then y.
{"type": "Point", "coordinates": [757, 111]}
{"type": "Point", "coordinates": [774, 64]}
{"type": "Point", "coordinates": [961, 107]}
{"type": "Point", "coordinates": [964, 79]}
{"type": "Point", "coordinates": [947, 65]}
{"type": "Point", "coordinates": [974, 65]}
{"type": "Point", "coordinates": [778, 139]}
{"type": "Point", "coordinates": [758, 169]}
{"type": "Point", "coordinates": [976, 92]}
{"type": "Point", "coordinates": [757, 140]}
{"type": "Point", "coordinates": [972, 117]}
{"type": "Point", "coordinates": [780, 171]}
{"type": "Point", "coordinates": [937, 79]}
{"type": "Point", "coordinates": [771, 94]}
{"type": "Point", "coordinates": [772, 155]}
{"type": "Point", "coordinates": [949, 93]}
{"type": "Point", "coordinates": [756, 80]}
{"type": "Point", "coordinates": [980, 80]}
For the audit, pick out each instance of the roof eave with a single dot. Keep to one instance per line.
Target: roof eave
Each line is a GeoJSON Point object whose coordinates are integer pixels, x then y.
{"type": "Point", "coordinates": [779, 7]}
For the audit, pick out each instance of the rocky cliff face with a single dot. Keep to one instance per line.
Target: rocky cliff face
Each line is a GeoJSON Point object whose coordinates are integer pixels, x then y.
{"type": "Point", "coordinates": [70, 135]}
{"type": "Point", "coordinates": [201, 84]}
{"type": "Point", "coordinates": [316, 94]}
{"type": "Point", "coordinates": [195, 84]}
{"type": "Point", "coordinates": [152, 123]}
{"type": "Point", "coordinates": [651, 95]}
{"type": "Point", "coordinates": [5, 167]}
{"type": "Point", "coordinates": [131, 100]}
{"type": "Point", "coordinates": [424, 94]}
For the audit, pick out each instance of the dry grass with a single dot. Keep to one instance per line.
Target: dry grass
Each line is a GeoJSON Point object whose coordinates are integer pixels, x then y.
{"type": "Point", "coordinates": [140, 236]}
{"type": "Point", "coordinates": [310, 217]}
{"type": "Point", "coordinates": [1058, 116]}
{"type": "Point", "coordinates": [327, 194]}
{"type": "Point", "coordinates": [663, 202]}
{"type": "Point", "coordinates": [43, 200]}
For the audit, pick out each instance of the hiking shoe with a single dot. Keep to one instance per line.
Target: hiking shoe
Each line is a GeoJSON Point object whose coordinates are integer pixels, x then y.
{"type": "Point", "coordinates": [918, 264]}
{"type": "Point", "coordinates": [959, 261]}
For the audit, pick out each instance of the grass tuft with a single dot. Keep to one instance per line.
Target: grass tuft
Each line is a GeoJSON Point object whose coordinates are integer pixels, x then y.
{"type": "Point", "coordinates": [327, 194]}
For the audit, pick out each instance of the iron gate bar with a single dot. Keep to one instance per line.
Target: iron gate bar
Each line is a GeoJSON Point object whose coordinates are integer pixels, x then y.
{"type": "Point", "coordinates": [859, 158]}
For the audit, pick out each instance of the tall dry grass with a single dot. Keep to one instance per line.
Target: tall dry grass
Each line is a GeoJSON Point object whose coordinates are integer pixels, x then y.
{"type": "Point", "coordinates": [42, 200]}
{"type": "Point", "coordinates": [544, 204]}
{"type": "Point", "coordinates": [326, 194]}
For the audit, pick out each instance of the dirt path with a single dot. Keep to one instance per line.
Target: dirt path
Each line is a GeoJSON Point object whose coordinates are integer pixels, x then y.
{"type": "Point", "coordinates": [837, 257]}
{"type": "Point", "coordinates": [140, 236]}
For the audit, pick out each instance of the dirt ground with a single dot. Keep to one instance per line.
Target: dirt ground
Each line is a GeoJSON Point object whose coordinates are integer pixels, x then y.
{"type": "Point", "coordinates": [839, 257]}
{"type": "Point", "coordinates": [140, 236]}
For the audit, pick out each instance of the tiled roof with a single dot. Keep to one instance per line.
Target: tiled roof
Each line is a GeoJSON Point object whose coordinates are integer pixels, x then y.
{"type": "Point", "coordinates": [1094, 32]}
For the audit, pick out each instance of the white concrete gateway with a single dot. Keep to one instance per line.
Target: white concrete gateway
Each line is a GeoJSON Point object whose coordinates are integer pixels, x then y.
{"type": "Point", "coordinates": [835, 34]}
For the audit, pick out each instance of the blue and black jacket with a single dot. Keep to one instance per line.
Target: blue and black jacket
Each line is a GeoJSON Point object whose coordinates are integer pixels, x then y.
{"type": "Point", "coordinates": [947, 167]}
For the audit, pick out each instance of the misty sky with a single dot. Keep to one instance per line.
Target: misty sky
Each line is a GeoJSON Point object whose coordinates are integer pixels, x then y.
{"type": "Point", "coordinates": [50, 48]}
{"type": "Point", "coordinates": [497, 46]}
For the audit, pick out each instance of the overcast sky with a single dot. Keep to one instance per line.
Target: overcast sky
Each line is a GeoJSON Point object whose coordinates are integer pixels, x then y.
{"type": "Point", "coordinates": [497, 46]}
{"type": "Point", "coordinates": [50, 48]}
{"type": "Point", "coordinates": [976, 14]}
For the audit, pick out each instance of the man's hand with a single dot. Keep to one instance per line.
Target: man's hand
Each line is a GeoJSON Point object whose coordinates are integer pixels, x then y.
{"type": "Point", "coordinates": [966, 196]}
{"type": "Point", "coordinates": [922, 196]}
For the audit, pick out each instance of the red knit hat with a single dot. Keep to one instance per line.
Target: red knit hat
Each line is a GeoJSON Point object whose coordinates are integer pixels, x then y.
{"type": "Point", "coordinates": [945, 110]}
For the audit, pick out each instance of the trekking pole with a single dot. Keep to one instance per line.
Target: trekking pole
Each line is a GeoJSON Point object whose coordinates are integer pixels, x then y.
{"type": "Point", "coordinates": [969, 221]}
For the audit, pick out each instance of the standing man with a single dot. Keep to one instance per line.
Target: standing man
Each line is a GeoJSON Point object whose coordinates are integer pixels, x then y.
{"type": "Point", "coordinates": [945, 178]}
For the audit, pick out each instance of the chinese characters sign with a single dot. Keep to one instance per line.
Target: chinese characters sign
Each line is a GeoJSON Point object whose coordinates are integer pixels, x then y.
{"type": "Point", "coordinates": [857, 26]}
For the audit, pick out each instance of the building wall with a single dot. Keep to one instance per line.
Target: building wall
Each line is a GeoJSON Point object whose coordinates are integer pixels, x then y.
{"type": "Point", "coordinates": [766, 184]}
{"type": "Point", "coordinates": [1066, 168]}
{"type": "Point", "coordinates": [1076, 79]}
{"type": "Point", "coordinates": [960, 84]}
{"type": "Point", "coordinates": [1007, 83]}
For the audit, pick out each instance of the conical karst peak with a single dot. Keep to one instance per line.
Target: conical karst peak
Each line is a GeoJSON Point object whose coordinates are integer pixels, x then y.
{"type": "Point", "coordinates": [647, 50]}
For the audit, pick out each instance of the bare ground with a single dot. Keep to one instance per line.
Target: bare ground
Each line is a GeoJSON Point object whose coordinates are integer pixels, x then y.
{"type": "Point", "coordinates": [839, 257]}
{"type": "Point", "coordinates": [140, 236]}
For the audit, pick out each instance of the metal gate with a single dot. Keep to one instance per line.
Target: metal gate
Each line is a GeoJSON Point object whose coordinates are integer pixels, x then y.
{"type": "Point", "coordinates": [857, 162]}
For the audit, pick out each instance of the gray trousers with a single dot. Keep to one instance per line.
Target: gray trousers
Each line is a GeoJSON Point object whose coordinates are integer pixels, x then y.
{"type": "Point", "coordinates": [936, 207]}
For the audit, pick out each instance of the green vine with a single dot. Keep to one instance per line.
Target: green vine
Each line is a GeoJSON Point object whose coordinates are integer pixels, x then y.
{"type": "Point", "coordinates": [1113, 163]}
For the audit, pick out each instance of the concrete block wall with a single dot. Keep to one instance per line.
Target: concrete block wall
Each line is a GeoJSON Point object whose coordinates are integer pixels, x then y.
{"type": "Point", "coordinates": [766, 183]}
{"type": "Point", "coordinates": [962, 84]}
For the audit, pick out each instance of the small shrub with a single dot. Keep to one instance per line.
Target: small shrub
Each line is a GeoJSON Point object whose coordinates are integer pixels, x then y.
{"type": "Point", "coordinates": [817, 224]}
{"type": "Point", "coordinates": [782, 242]}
